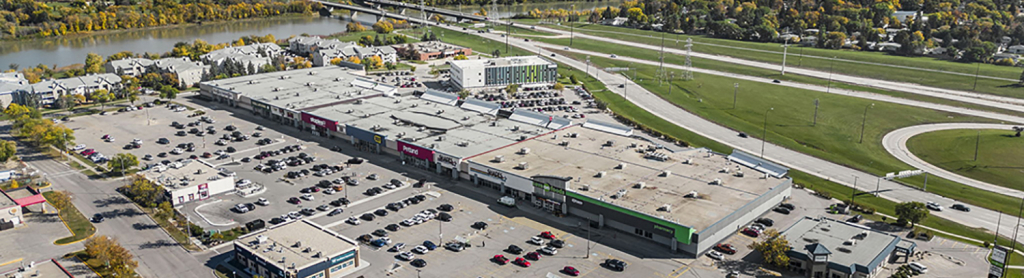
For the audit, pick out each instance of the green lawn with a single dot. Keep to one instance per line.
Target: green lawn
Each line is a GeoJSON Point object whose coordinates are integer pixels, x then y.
{"type": "Point", "coordinates": [80, 226]}
{"type": "Point", "coordinates": [354, 36]}
{"type": "Point", "coordinates": [888, 68]}
{"type": "Point", "coordinates": [177, 234]}
{"type": "Point", "coordinates": [93, 263]}
{"type": "Point", "coordinates": [594, 45]}
{"type": "Point", "coordinates": [478, 44]}
{"type": "Point", "coordinates": [999, 154]}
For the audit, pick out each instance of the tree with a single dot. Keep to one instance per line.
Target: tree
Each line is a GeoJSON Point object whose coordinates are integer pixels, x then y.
{"type": "Point", "coordinates": [102, 96]}
{"type": "Point", "coordinates": [60, 200]}
{"type": "Point", "coordinates": [336, 61]}
{"type": "Point", "coordinates": [913, 212]}
{"type": "Point", "coordinates": [168, 92]}
{"type": "Point", "coordinates": [464, 94]}
{"type": "Point", "coordinates": [14, 66]}
{"type": "Point", "coordinates": [14, 184]}
{"type": "Point", "coordinates": [460, 57]}
{"type": "Point", "coordinates": [164, 211]}
{"type": "Point", "coordinates": [572, 78]}
{"type": "Point", "coordinates": [1021, 77]}
{"type": "Point", "coordinates": [353, 59]}
{"type": "Point", "coordinates": [1017, 130]}
{"type": "Point", "coordinates": [559, 86]}
{"type": "Point", "coordinates": [7, 150]}
{"type": "Point", "coordinates": [383, 27]}
{"type": "Point", "coordinates": [355, 27]}
{"type": "Point", "coordinates": [773, 248]}
{"type": "Point", "coordinates": [512, 88]}
{"type": "Point", "coordinates": [122, 161]}
{"type": "Point", "coordinates": [496, 53]}
{"type": "Point", "coordinates": [143, 191]}
{"type": "Point", "coordinates": [133, 95]}
{"type": "Point", "coordinates": [93, 63]}
{"type": "Point", "coordinates": [114, 256]}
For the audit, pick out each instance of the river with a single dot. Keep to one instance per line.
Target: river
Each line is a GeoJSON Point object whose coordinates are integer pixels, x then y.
{"type": "Point", "coordinates": [72, 49]}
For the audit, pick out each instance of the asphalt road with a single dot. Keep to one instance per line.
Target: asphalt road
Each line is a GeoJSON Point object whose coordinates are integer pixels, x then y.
{"type": "Point", "coordinates": [896, 144]}
{"type": "Point", "coordinates": [979, 217]}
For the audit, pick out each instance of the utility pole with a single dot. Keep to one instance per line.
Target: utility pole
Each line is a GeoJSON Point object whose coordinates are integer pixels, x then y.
{"type": "Point", "coordinates": [863, 122]}
{"type": "Point", "coordinates": [878, 186]}
{"type": "Point", "coordinates": [976, 71]}
{"type": "Point", "coordinates": [830, 64]}
{"type": "Point", "coordinates": [661, 60]}
{"type": "Point", "coordinates": [785, 50]}
{"type": "Point", "coordinates": [977, 142]}
{"type": "Point", "coordinates": [764, 137]}
{"type": "Point", "coordinates": [735, 88]}
{"type": "Point", "coordinates": [440, 233]}
{"type": "Point", "coordinates": [815, 121]}
{"type": "Point", "coordinates": [588, 65]}
{"type": "Point", "coordinates": [688, 74]}
{"type": "Point", "coordinates": [853, 197]}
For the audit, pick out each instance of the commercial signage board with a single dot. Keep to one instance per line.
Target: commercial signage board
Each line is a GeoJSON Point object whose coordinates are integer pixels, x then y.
{"type": "Point", "coordinates": [320, 122]}
{"type": "Point", "coordinates": [681, 233]}
{"type": "Point", "coordinates": [446, 160]}
{"type": "Point", "coordinates": [257, 105]}
{"type": "Point", "coordinates": [997, 261]}
{"type": "Point", "coordinates": [549, 188]}
{"type": "Point", "coordinates": [343, 257]}
{"type": "Point", "coordinates": [416, 151]}
{"type": "Point", "coordinates": [366, 135]}
{"type": "Point", "coordinates": [500, 177]}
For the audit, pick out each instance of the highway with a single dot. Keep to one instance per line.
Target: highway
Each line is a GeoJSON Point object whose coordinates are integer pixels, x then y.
{"type": "Point", "coordinates": [979, 217]}
{"type": "Point", "coordinates": [896, 144]}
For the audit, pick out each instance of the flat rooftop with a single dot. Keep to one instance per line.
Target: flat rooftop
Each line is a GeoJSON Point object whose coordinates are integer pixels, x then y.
{"type": "Point", "coordinates": [304, 88]}
{"type": "Point", "coordinates": [833, 235]}
{"type": "Point", "coordinates": [503, 61]}
{"type": "Point", "coordinates": [190, 173]}
{"type": "Point", "coordinates": [300, 243]}
{"type": "Point", "coordinates": [6, 200]}
{"type": "Point", "coordinates": [445, 128]}
{"type": "Point", "coordinates": [46, 268]}
{"type": "Point", "coordinates": [667, 178]}
{"type": "Point", "coordinates": [435, 46]}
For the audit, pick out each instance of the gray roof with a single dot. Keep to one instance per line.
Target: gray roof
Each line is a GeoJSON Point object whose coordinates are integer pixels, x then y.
{"type": "Point", "coordinates": [440, 97]}
{"type": "Point", "coordinates": [304, 88]}
{"type": "Point", "coordinates": [481, 106]}
{"type": "Point", "coordinates": [301, 243]}
{"type": "Point", "coordinates": [179, 65]}
{"type": "Point", "coordinates": [851, 247]}
{"type": "Point", "coordinates": [76, 82]}
{"type": "Point", "coordinates": [131, 62]}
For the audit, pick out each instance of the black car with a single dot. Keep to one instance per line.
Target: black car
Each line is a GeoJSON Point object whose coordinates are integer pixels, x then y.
{"type": "Point", "coordinates": [418, 263]}
{"type": "Point", "coordinates": [742, 135]}
{"type": "Point", "coordinates": [230, 149]}
{"type": "Point", "coordinates": [444, 217]}
{"type": "Point", "coordinates": [514, 249]}
{"type": "Point", "coordinates": [855, 218]}
{"type": "Point", "coordinates": [343, 200]}
{"type": "Point", "coordinates": [368, 216]}
{"type": "Point", "coordinates": [324, 184]}
{"type": "Point", "coordinates": [479, 225]}
{"type": "Point", "coordinates": [614, 264]}
{"type": "Point", "coordinates": [277, 220]}
{"type": "Point", "coordinates": [355, 160]}
{"type": "Point", "coordinates": [392, 227]}
{"type": "Point", "coordinates": [961, 207]}
{"type": "Point", "coordinates": [161, 155]}
{"type": "Point", "coordinates": [370, 192]}
{"type": "Point", "coordinates": [97, 218]}
{"type": "Point", "coordinates": [181, 133]}
{"type": "Point", "coordinates": [307, 211]}
{"type": "Point", "coordinates": [558, 243]}
{"type": "Point", "coordinates": [393, 206]}
{"type": "Point", "coordinates": [420, 197]}
{"type": "Point", "coordinates": [767, 222]}
{"type": "Point", "coordinates": [445, 207]}
{"type": "Point", "coordinates": [381, 212]}
{"type": "Point", "coordinates": [380, 232]}
{"type": "Point", "coordinates": [336, 203]}
{"type": "Point", "coordinates": [788, 206]}
{"type": "Point", "coordinates": [781, 210]}
{"type": "Point", "coordinates": [365, 238]}
{"type": "Point", "coordinates": [163, 141]}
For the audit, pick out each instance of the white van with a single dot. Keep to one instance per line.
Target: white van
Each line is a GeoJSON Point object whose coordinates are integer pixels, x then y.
{"type": "Point", "coordinates": [508, 201]}
{"type": "Point", "coordinates": [919, 267]}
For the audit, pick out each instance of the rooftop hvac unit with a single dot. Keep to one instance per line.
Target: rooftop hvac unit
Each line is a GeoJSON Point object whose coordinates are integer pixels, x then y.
{"type": "Point", "coordinates": [622, 166]}
{"type": "Point", "coordinates": [609, 143]}
{"type": "Point", "coordinates": [261, 239]}
{"type": "Point", "coordinates": [716, 182]}
{"type": "Point", "coordinates": [524, 151]}
{"type": "Point", "coordinates": [621, 193]}
{"type": "Point", "coordinates": [564, 143]}
{"type": "Point", "coordinates": [499, 158]}
{"type": "Point", "coordinates": [574, 135]}
{"type": "Point", "coordinates": [523, 166]}
{"type": "Point", "coordinates": [601, 174]}
{"type": "Point", "coordinates": [420, 128]}
{"type": "Point", "coordinates": [585, 187]}
{"type": "Point", "coordinates": [254, 81]}
{"type": "Point", "coordinates": [640, 185]}
{"type": "Point", "coordinates": [338, 79]}
{"type": "Point", "coordinates": [401, 134]}
{"type": "Point", "coordinates": [666, 208]}
{"type": "Point", "coordinates": [296, 94]}
{"type": "Point", "coordinates": [688, 161]}
{"type": "Point", "coordinates": [632, 145]}
{"type": "Point", "coordinates": [463, 144]}
{"type": "Point", "coordinates": [349, 111]}
{"type": "Point", "coordinates": [739, 174]}
{"type": "Point", "coordinates": [414, 105]}
{"type": "Point", "coordinates": [276, 89]}
{"type": "Point", "coordinates": [398, 100]}
{"type": "Point", "coordinates": [366, 115]}
{"type": "Point", "coordinates": [312, 72]}
{"type": "Point", "coordinates": [440, 112]}
{"type": "Point", "coordinates": [440, 138]}
{"type": "Point", "coordinates": [522, 137]}
{"type": "Point", "coordinates": [359, 101]}
{"type": "Point", "coordinates": [316, 89]}
{"type": "Point", "coordinates": [495, 123]}
{"type": "Point", "coordinates": [666, 173]}
{"type": "Point", "coordinates": [724, 170]}
{"type": "Point", "coordinates": [692, 194]}
{"type": "Point", "coordinates": [515, 128]}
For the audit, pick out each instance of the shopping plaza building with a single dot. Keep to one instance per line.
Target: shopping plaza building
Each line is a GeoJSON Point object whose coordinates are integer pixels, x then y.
{"type": "Point", "coordinates": [687, 199]}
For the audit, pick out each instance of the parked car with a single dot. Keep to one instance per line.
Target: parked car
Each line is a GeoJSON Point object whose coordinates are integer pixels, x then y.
{"type": "Point", "coordinates": [514, 249]}
{"type": "Point", "coordinates": [521, 262]}
{"type": "Point", "coordinates": [549, 250]}
{"type": "Point", "coordinates": [614, 264]}
{"type": "Point", "coordinates": [715, 255]}
{"type": "Point", "coordinates": [726, 248]}
{"type": "Point", "coordinates": [751, 232]}
{"type": "Point", "coordinates": [571, 271]}
{"type": "Point", "coordinates": [534, 256]}
{"type": "Point", "coordinates": [781, 210]}
{"type": "Point", "coordinates": [547, 235]}
{"type": "Point", "coordinates": [419, 263]}
{"type": "Point", "coordinates": [500, 259]}
{"type": "Point", "coordinates": [479, 225]}
{"type": "Point", "coordinates": [767, 222]}
{"type": "Point", "coordinates": [537, 240]}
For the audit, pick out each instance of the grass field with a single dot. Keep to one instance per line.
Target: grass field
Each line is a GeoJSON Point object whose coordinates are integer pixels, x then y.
{"type": "Point", "coordinates": [604, 47]}
{"type": "Point", "coordinates": [999, 154]}
{"type": "Point", "coordinates": [80, 226]}
{"type": "Point", "coordinates": [886, 67]}
{"type": "Point", "coordinates": [478, 44]}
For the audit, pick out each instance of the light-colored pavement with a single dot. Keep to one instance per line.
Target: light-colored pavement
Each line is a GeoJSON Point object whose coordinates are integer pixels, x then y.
{"type": "Point", "coordinates": [979, 217]}
{"type": "Point", "coordinates": [963, 96]}
{"type": "Point", "coordinates": [896, 144]}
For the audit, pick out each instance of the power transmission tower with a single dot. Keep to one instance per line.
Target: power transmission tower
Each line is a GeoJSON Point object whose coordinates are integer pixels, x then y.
{"type": "Point", "coordinates": [661, 60]}
{"type": "Point", "coordinates": [688, 73]}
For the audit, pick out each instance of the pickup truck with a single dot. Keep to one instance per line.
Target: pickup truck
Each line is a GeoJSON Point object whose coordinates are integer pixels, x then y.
{"type": "Point", "coordinates": [507, 200]}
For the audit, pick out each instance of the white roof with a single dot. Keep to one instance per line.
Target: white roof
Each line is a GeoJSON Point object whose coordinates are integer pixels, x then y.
{"type": "Point", "coordinates": [440, 97]}
{"type": "Point", "coordinates": [529, 117]}
{"type": "Point", "coordinates": [485, 107]}
{"type": "Point", "coordinates": [612, 128]}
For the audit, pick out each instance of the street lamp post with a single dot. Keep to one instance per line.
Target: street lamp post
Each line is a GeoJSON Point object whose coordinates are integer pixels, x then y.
{"type": "Point", "coordinates": [571, 29]}
{"type": "Point", "coordinates": [785, 50]}
{"type": "Point", "coordinates": [588, 65]}
{"type": "Point", "coordinates": [735, 89]}
{"type": "Point", "coordinates": [764, 136]}
{"type": "Point", "coordinates": [863, 122]}
{"type": "Point", "coordinates": [829, 88]}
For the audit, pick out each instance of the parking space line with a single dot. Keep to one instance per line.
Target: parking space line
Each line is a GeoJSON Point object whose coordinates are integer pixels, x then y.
{"type": "Point", "coordinates": [683, 272]}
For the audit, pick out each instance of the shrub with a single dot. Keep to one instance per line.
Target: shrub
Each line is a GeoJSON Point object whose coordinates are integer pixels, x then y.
{"type": "Point", "coordinates": [987, 245]}
{"type": "Point", "coordinates": [912, 234]}
{"type": "Point", "coordinates": [825, 195]}
{"type": "Point", "coordinates": [870, 211]}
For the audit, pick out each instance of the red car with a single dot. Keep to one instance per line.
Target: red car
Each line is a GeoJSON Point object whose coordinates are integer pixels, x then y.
{"type": "Point", "coordinates": [547, 235]}
{"type": "Point", "coordinates": [751, 232]}
{"type": "Point", "coordinates": [726, 248]}
{"type": "Point", "coordinates": [533, 256]}
{"type": "Point", "coordinates": [571, 271]}
{"type": "Point", "coordinates": [88, 152]}
{"type": "Point", "coordinates": [500, 259]}
{"type": "Point", "coordinates": [294, 200]}
{"type": "Point", "coordinates": [522, 262]}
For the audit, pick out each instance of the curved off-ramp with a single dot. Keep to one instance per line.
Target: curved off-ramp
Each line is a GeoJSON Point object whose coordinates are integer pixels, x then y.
{"type": "Point", "coordinates": [895, 143]}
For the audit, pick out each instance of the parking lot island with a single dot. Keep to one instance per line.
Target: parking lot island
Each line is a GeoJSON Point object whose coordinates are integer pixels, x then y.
{"type": "Point", "coordinates": [297, 249]}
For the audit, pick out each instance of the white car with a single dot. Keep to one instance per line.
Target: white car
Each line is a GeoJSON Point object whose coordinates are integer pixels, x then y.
{"type": "Point", "coordinates": [353, 220]}
{"type": "Point", "coordinates": [79, 147]}
{"type": "Point", "coordinates": [294, 215]}
{"type": "Point", "coordinates": [421, 249]}
{"type": "Point", "coordinates": [549, 250]}
{"type": "Point", "coordinates": [934, 206]}
{"type": "Point", "coordinates": [179, 109]}
{"type": "Point", "coordinates": [307, 197]}
{"type": "Point", "coordinates": [537, 240]}
{"type": "Point", "coordinates": [262, 201]}
{"type": "Point", "coordinates": [241, 208]}
{"type": "Point", "coordinates": [176, 151]}
{"type": "Point", "coordinates": [715, 255]}
{"type": "Point", "coordinates": [286, 217]}
{"type": "Point", "coordinates": [243, 182]}
{"type": "Point", "coordinates": [329, 191]}
{"type": "Point", "coordinates": [137, 141]}
{"type": "Point", "coordinates": [409, 222]}
{"type": "Point", "coordinates": [388, 186]}
{"type": "Point", "coordinates": [338, 181]}
{"type": "Point", "coordinates": [406, 256]}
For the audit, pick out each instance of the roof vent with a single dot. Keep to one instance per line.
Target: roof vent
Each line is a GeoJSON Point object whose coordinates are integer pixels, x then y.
{"type": "Point", "coordinates": [523, 166]}
{"type": "Point", "coordinates": [349, 111]}
{"type": "Point", "coordinates": [666, 173]}
{"type": "Point", "coordinates": [666, 208]}
{"type": "Point", "coordinates": [499, 158]}
{"type": "Point", "coordinates": [724, 170]}
{"type": "Point", "coordinates": [515, 128]}
{"type": "Point", "coordinates": [621, 193]}
{"type": "Point", "coordinates": [609, 143]}
{"type": "Point", "coordinates": [313, 72]}
{"type": "Point", "coordinates": [601, 174]}
{"type": "Point", "coordinates": [463, 144]}
{"type": "Point", "coordinates": [692, 194]}
{"type": "Point", "coordinates": [640, 185]}
{"type": "Point", "coordinates": [716, 182]}
{"type": "Point", "coordinates": [522, 137]}
{"type": "Point", "coordinates": [564, 143]}
{"type": "Point", "coordinates": [688, 161]}
{"type": "Point", "coordinates": [524, 151]}
{"type": "Point", "coordinates": [494, 123]}
{"type": "Point", "coordinates": [738, 174]}
{"type": "Point", "coordinates": [439, 112]}
{"type": "Point", "coordinates": [440, 138]}
{"type": "Point", "coordinates": [622, 166]}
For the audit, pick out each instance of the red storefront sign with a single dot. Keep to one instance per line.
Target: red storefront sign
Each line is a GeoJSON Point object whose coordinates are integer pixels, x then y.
{"type": "Point", "coordinates": [416, 151]}
{"type": "Point", "coordinates": [321, 122]}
